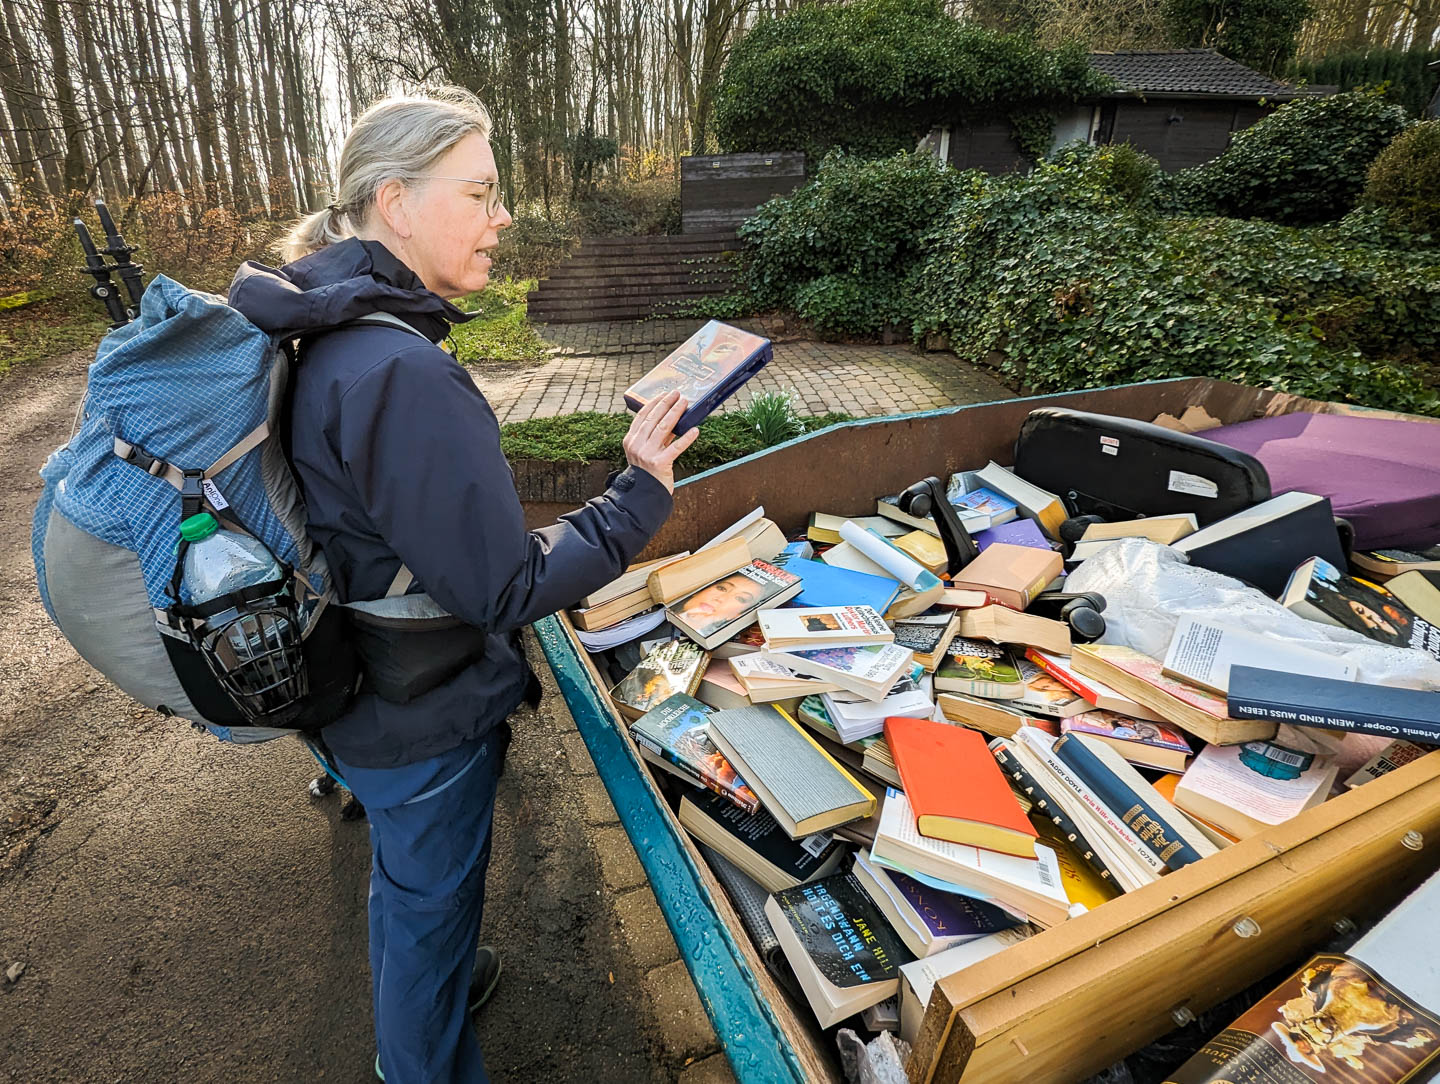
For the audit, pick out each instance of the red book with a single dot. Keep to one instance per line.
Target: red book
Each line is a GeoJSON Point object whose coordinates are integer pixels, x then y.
{"type": "Point", "coordinates": [956, 788]}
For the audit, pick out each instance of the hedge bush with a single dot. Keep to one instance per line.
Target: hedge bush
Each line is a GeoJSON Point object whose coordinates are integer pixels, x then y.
{"type": "Point", "coordinates": [1405, 74]}
{"type": "Point", "coordinates": [874, 76]}
{"type": "Point", "coordinates": [1405, 179]}
{"type": "Point", "coordinates": [1304, 163]}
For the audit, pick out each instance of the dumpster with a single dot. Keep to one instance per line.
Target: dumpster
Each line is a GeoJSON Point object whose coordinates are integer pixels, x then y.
{"type": "Point", "coordinates": [1077, 997]}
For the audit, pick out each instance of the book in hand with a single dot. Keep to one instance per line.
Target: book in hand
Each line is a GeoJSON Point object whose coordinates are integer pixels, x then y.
{"type": "Point", "coordinates": [673, 667]}
{"type": "Point", "coordinates": [928, 920]}
{"type": "Point", "coordinates": [869, 671]}
{"type": "Point", "coordinates": [706, 369]}
{"type": "Point", "coordinates": [1141, 742]}
{"type": "Point", "coordinates": [757, 844]}
{"type": "Point", "coordinates": [1264, 543]}
{"type": "Point", "coordinates": [1221, 788]}
{"type": "Point", "coordinates": [676, 736]}
{"type": "Point", "coordinates": [955, 788]}
{"type": "Point", "coordinates": [1147, 813]}
{"type": "Point", "coordinates": [1010, 575]}
{"type": "Point", "coordinates": [719, 610]}
{"type": "Point", "coordinates": [1202, 654]}
{"type": "Point", "coordinates": [1319, 591]}
{"type": "Point", "coordinates": [976, 668]}
{"type": "Point", "coordinates": [1028, 886]}
{"type": "Point", "coordinates": [844, 954]}
{"type": "Point", "coordinates": [809, 627]}
{"type": "Point", "coordinates": [798, 782]}
{"type": "Point", "coordinates": [1187, 706]}
{"type": "Point", "coordinates": [1334, 705]}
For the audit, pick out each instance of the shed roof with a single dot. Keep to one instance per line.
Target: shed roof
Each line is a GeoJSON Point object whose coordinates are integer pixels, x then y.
{"type": "Point", "coordinates": [1187, 72]}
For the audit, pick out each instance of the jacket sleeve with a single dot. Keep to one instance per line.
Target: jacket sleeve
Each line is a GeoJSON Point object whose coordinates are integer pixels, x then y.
{"type": "Point", "coordinates": [422, 448]}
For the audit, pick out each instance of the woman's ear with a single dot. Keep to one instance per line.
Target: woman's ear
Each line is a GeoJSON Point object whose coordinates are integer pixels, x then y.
{"type": "Point", "coordinates": [393, 205]}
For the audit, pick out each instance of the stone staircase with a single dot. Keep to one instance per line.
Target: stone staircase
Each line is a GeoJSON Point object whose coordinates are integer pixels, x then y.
{"type": "Point", "coordinates": [632, 278]}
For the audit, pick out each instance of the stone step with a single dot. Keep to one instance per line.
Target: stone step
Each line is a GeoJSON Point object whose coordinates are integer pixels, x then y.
{"type": "Point", "coordinates": [666, 242]}
{"type": "Point", "coordinates": [658, 284]}
{"type": "Point", "coordinates": [639, 262]}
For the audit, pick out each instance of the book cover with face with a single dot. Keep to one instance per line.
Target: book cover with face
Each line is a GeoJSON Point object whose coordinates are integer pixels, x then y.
{"type": "Point", "coordinates": [716, 605]}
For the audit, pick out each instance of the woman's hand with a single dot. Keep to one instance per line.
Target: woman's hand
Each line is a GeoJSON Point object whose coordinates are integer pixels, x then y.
{"type": "Point", "coordinates": [650, 444]}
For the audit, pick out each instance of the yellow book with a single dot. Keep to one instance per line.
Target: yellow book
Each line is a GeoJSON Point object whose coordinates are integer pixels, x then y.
{"type": "Point", "coordinates": [1082, 884]}
{"type": "Point", "coordinates": [928, 550]}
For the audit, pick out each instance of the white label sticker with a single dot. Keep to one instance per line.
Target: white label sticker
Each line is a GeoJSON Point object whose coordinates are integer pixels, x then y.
{"type": "Point", "coordinates": [1193, 484]}
{"type": "Point", "coordinates": [212, 494]}
{"type": "Point", "coordinates": [1110, 449]}
{"type": "Point", "coordinates": [815, 845]}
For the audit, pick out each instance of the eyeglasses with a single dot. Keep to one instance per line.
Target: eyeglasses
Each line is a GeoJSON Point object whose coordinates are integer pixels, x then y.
{"type": "Point", "coordinates": [491, 197]}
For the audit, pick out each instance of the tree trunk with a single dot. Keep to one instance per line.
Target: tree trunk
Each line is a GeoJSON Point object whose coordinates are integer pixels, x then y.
{"type": "Point", "coordinates": [282, 188]}
{"type": "Point", "coordinates": [69, 115]}
{"type": "Point", "coordinates": [242, 179]}
{"type": "Point", "coordinates": [20, 141]}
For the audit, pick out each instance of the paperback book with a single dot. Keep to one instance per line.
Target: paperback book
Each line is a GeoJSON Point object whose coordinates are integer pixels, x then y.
{"type": "Point", "coordinates": [869, 671]}
{"type": "Point", "coordinates": [928, 920]}
{"type": "Point", "coordinates": [719, 610]}
{"type": "Point", "coordinates": [976, 668]}
{"type": "Point", "coordinates": [1319, 591]}
{"type": "Point", "coordinates": [1150, 745]}
{"type": "Point", "coordinates": [813, 627]}
{"type": "Point", "coordinates": [674, 667]}
{"type": "Point", "coordinates": [676, 735]}
{"type": "Point", "coordinates": [757, 843]}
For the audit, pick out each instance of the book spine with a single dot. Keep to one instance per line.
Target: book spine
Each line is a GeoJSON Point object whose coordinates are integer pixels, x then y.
{"type": "Point", "coordinates": [1064, 677]}
{"type": "Point", "coordinates": [1135, 812]}
{"type": "Point", "coordinates": [1047, 807]}
{"type": "Point", "coordinates": [1246, 707]}
{"type": "Point", "coordinates": [1112, 822]}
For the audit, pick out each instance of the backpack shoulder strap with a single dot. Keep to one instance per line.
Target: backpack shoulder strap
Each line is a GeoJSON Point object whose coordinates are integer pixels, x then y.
{"type": "Point", "coordinates": [386, 319]}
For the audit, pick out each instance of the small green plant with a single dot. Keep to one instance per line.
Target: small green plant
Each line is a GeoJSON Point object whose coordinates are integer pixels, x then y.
{"type": "Point", "coordinates": [773, 415]}
{"type": "Point", "coordinates": [1405, 179]}
{"type": "Point", "coordinates": [501, 331]}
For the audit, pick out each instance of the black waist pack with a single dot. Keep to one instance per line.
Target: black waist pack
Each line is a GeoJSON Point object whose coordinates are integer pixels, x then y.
{"type": "Point", "coordinates": [408, 645]}
{"type": "Point", "coordinates": [1119, 468]}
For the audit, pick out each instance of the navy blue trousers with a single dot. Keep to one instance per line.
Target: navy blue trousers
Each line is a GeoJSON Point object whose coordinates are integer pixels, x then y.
{"type": "Point", "coordinates": [430, 835]}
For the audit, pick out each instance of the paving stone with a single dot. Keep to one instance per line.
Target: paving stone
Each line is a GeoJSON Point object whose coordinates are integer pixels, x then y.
{"type": "Point", "coordinates": [576, 753]}
{"type": "Point", "coordinates": [596, 799]}
{"type": "Point", "coordinates": [644, 928]}
{"type": "Point", "coordinates": [678, 1012]}
{"type": "Point", "coordinates": [712, 1070]}
{"type": "Point", "coordinates": [619, 864]}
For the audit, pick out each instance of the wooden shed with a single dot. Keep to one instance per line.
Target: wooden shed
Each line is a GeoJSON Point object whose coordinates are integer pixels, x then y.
{"type": "Point", "coordinates": [1179, 106]}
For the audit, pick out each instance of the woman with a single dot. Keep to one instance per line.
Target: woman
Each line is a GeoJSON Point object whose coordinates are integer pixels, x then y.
{"type": "Point", "coordinates": [398, 455]}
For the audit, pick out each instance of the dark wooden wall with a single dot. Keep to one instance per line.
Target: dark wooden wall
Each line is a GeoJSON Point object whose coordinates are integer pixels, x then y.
{"type": "Point", "coordinates": [990, 147]}
{"type": "Point", "coordinates": [720, 191]}
{"type": "Point", "coordinates": [1177, 133]}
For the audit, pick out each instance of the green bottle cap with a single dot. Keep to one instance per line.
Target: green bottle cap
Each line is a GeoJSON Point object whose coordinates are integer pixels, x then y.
{"type": "Point", "coordinates": [198, 527]}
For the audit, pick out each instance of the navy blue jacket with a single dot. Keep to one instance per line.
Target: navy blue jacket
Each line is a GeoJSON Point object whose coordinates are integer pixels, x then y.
{"type": "Point", "coordinates": [398, 456]}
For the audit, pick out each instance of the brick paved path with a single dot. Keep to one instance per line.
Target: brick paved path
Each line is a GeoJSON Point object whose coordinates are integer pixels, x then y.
{"type": "Point", "coordinates": [591, 365]}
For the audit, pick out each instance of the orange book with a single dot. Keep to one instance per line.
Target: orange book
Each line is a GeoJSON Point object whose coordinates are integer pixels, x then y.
{"type": "Point", "coordinates": [956, 788]}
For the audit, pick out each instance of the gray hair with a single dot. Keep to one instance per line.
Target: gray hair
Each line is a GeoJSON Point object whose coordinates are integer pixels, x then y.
{"type": "Point", "coordinates": [397, 138]}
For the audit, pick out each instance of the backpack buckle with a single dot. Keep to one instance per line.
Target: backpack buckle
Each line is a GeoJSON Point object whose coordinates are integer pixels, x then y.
{"type": "Point", "coordinates": [192, 495]}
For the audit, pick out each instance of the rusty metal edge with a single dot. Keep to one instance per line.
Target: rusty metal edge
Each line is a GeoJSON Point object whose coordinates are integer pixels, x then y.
{"type": "Point", "coordinates": [753, 1039]}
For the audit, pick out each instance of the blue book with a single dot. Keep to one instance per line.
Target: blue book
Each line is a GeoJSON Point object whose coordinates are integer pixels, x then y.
{"type": "Point", "coordinates": [1133, 810]}
{"type": "Point", "coordinates": [999, 508]}
{"type": "Point", "coordinates": [827, 585]}
{"type": "Point", "coordinates": [1018, 532]}
{"type": "Point", "coordinates": [1334, 705]}
{"type": "Point", "coordinates": [706, 369]}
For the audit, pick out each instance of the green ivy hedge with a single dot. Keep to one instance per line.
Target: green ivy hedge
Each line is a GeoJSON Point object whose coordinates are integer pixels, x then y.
{"type": "Point", "coordinates": [1074, 278]}
{"type": "Point", "coordinates": [874, 76]}
{"type": "Point", "coordinates": [1405, 179]}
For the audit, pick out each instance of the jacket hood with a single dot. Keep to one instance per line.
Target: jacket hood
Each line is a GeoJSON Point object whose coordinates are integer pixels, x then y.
{"type": "Point", "coordinates": [340, 282]}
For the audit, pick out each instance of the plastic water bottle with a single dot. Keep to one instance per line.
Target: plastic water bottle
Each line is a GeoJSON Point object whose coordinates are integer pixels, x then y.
{"type": "Point", "coordinates": [218, 562]}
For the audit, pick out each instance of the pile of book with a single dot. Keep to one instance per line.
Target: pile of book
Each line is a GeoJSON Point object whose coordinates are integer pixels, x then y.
{"type": "Point", "coordinates": [895, 770]}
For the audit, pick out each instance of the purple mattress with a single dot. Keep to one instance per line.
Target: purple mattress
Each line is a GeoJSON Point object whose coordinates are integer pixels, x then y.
{"type": "Point", "coordinates": [1381, 474]}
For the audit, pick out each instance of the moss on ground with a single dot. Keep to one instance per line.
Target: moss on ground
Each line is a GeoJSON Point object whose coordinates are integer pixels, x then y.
{"type": "Point", "coordinates": [42, 329]}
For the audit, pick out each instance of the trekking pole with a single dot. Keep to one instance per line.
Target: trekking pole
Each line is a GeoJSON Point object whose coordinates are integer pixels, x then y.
{"type": "Point", "coordinates": [120, 251]}
{"type": "Point", "coordinates": [104, 291]}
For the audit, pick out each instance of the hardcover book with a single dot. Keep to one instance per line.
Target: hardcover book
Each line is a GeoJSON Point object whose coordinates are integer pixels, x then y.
{"type": "Point", "coordinates": [980, 669]}
{"type": "Point", "coordinates": [1335, 705]}
{"type": "Point", "coordinates": [955, 788]}
{"type": "Point", "coordinates": [673, 667]}
{"type": "Point", "coordinates": [706, 369]}
{"type": "Point", "coordinates": [1010, 575]}
{"type": "Point", "coordinates": [1263, 544]}
{"type": "Point", "coordinates": [676, 735]}
{"type": "Point", "coordinates": [757, 843]}
{"type": "Point", "coordinates": [845, 955]}
{"type": "Point", "coordinates": [719, 610]}
{"type": "Point", "coordinates": [798, 782]}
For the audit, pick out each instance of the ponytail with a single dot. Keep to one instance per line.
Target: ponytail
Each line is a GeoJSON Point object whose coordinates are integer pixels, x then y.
{"type": "Point", "coordinates": [312, 233]}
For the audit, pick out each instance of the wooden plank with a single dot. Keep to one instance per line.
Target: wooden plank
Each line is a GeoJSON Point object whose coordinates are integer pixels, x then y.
{"type": "Point", "coordinates": [764, 1038]}
{"type": "Point", "coordinates": [1029, 1013]}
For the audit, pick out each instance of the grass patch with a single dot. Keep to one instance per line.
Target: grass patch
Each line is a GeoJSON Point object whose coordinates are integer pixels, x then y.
{"type": "Point", "coordinates": [42, 329]}
{"type": "Point", "coordinates": [590, 435]}
{"type": "Point", "coordinates": [501, 332]}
